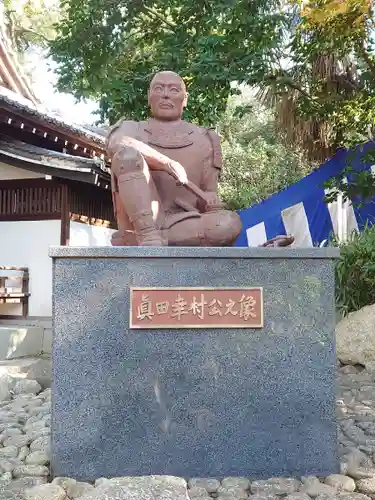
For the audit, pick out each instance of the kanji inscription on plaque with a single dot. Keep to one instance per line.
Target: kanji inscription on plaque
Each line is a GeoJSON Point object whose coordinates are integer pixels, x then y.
{"type": "Point", "coordinates": [196, 307]}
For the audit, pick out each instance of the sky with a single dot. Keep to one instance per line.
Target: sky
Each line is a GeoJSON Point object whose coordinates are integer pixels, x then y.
{"type": "Point", "coordinates": [43, 83]}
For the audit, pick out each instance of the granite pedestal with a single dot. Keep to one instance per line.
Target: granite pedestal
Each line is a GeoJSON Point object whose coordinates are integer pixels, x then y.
{"type": "Point", "coordinates": [193, 402]}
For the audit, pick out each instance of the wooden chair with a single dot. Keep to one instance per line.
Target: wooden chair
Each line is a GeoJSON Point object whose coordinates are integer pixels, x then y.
{"type": "Point", "coordinates": [14, 288]}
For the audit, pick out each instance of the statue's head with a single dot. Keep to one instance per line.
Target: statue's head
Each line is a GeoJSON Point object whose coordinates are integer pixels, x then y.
{"type": "Point", "coordinates": [167, 96]}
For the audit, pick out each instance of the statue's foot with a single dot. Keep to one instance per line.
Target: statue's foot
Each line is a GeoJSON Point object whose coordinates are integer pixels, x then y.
{"type": "Point", "coordinates": [151, 239]}
{"type": "Point", "coordinates": [123, 239]}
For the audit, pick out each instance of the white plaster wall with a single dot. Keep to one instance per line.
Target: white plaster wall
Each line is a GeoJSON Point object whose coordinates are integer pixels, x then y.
{"type": "Point", "coordinates": [7, 172]}
{"type": "Point", "coordinates": [84, 235]}
{"type": "Point", "coordinates": [25, 244]}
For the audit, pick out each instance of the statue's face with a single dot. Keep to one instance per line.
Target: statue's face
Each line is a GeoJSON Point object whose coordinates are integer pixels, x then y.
{"type": "Point", "coordinates": [167, 96]}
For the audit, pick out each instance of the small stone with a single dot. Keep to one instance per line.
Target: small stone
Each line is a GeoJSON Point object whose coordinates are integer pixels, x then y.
{"type": "Point", "coordinates": [368, 427]}
{"type": "Point", "coordinates": [9, 464]}
{"type": "Point", "coordinates": [6, 385]}
{"type": "Point", "coordinates": [314, 488]}
{"type": "Point", "coordinates": [352, 496]}
{"type": "Point", "coordinates": [64, 482]}
{"type": "Point", "coordinates": [45, 492]}
{"type": "Point", "coordinates": [198, 492]}
{"type": "Point", "coordinates": [366, 486]}
{"type": "Point", "coordinates": [32, 419]}
{"type": "Point", "coordinates": [10, 431]}
{"type": "Point", "coordinates": [348, 370]}
{"type": "Point", "coordinates": [25, 386]}
{"type": "Point", "coordinates": [275, 486]}
{"type": "Point", "coordinates": [79, 489]}
{"type": "Point", "coordinates": [38, 458]}
{"type": "Point", "coordinates": [153, 483]}
{"type": "Point", "coordinates": [236, 482]}
{"type": "Point", "coordinates": [30, 471]}
{"type": "Point", "coordinates": [18, 440]}
{"type": "Point", "coordinates": [370, 366]}
{"type": "Point", "coordinates": [35, 434]}
{"type": "Point", "coordinates": [211, 485]}
{"type": "Point", "coordinates": [9, 451]}
{"type": "Point", "coordinates": [263, 497]}
{"type": "Point", "coordinates": [15, 490]}
{"type": "Point", "coordinates": [341, 483]}
{"type": "Point", "coordinates": [40, 410]}
{"type": "Point", "coordinates": [35, 426]}
{"type": "Point", "coordinates": [237, 493]}
{"type": "Point", "coordinates": [341, 412]}
{"type": "Point", "coordinates": [325, 496]}
{"type": "Point", "coordinates": [100, 481]}
{"type": "Point", "coordinates": [34, 403]}
{"type": "Point", "coordinates": [41, 371]}
{"type": "Point", "coordinates": [23, 453]}
{"type": "Point", "coordinates": [343, 468]}
{"type": "Point", "coordinates": [140, 487]}
{"type": "Point", "coordinates": [359, 473]}
{"type": "Point", "coordinates": [21, 484]}
{"type": "Point", "coordinates": [6, 477]}
{"type": "Point", "coordinates": [18, 407]}
{"type": "Point", "coordinates": [356, 456]}
{"type": "Point", "coordinates": [297, 496]}
{"type": "Point", "coordinates": [47, 393]}
{"type": "Point", "coordinates": [8, 416]}
{"type": "Point", "coordinates": [42, 443]}
{"type": "Point", "coordinates": [10, 425]}
{"type": "Point", "coordinates": [307, 480]}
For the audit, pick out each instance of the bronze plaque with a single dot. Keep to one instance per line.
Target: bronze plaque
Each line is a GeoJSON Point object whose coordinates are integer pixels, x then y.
{"type": "Point", "coordinates": [196, 308]}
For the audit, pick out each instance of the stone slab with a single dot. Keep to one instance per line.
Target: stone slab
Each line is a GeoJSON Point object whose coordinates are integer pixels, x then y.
{"type": "Point", "coordinates": [205, 403]}
{"type": "Point", "coordinates": [47, 341]}
{"type": "Point", "coordinates": [20, 341]}
{"type": "Point", "coordinates": [193, 252]}
{"type": "Point", "coordinates": [18, 368]}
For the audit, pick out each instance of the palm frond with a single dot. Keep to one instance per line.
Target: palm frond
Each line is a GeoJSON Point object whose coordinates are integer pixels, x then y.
{"type": "Point", "coordinates": [330, 77]}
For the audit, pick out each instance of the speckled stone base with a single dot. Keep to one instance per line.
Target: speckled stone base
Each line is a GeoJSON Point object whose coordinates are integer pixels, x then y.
{"type": "Point", "coordinates": [255, 403]}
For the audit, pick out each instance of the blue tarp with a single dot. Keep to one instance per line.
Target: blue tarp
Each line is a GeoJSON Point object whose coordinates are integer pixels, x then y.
{"type": "Point", "coordinates": [301, 207]}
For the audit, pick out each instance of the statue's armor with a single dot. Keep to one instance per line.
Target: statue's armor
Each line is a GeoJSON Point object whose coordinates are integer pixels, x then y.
{"type": "Point", "coordinates": [196, 149]}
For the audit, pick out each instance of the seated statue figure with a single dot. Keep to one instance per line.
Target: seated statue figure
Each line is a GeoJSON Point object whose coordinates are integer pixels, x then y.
{"type": "Point", "coordinates": [165, 174]}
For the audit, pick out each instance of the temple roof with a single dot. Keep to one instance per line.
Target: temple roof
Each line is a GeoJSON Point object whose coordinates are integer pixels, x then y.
{"type": "Point", "coordinates": [39, 114]}
{"type": "Point", "coordinates": [19, 103]}
{"type": "Point", "coordinates": [38, 139]}
{"type": "Point", "coordinates": [45, 161]}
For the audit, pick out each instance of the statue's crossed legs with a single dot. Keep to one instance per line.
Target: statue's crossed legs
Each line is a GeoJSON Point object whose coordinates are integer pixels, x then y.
{"type": "Point", "coordinates": [144, 221]}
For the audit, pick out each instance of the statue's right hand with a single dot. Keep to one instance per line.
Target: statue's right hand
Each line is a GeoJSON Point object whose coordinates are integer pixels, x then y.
{"type": "Point", "coordinates": [177, 171]}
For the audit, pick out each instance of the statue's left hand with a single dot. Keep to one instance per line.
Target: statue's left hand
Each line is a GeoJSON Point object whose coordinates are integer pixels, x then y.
{"type": "Point", "coordinates": [279, 241]}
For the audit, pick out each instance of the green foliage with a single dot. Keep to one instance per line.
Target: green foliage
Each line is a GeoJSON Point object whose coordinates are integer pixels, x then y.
{"type": "Point", "coordinates": [355, 272]}
{"type": "Point", "coordinates": [256, 164]}
{"type": "Point", "coordinates": [325, 96]}
{"type": "Point", "coordinates": [361, 188]}
{"type": "Point", "coordinates": [109, 50]}
{"type": "Point", "coordinates": [30, 23]}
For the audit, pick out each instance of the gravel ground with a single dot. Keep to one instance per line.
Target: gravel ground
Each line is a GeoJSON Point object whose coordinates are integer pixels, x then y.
{"type": "Point", "coordinates": [25, 419]}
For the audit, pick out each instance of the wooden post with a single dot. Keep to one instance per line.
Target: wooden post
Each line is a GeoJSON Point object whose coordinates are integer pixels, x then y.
{"type": "Point", "coordinates": [65, 220]}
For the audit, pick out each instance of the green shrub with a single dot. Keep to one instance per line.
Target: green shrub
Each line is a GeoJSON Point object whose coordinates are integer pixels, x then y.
{"type": "Point", "coordinates": [256, 164]}
{"type": "Point", "coordinates": [355, 272]}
